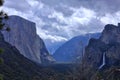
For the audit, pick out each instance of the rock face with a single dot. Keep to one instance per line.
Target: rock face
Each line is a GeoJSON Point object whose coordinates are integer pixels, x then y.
{"type": "Point", "coordinates": [15, 65]}
{"type": "Point", "coordinates": [72, 50]}
{"type": "Point", "coordinates": [105, 51]}
{"type": "Point", "coordinates": [111, 34]}
{"type": "Point", "coordinates": [23, 36]}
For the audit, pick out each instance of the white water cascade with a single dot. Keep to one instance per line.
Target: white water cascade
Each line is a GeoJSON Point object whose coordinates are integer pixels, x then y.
{"type": "Point", "coordinates": [103, 61]}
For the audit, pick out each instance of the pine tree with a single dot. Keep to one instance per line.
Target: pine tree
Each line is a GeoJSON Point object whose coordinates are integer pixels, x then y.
{"type": "Point", "coordinates": [3, 27]}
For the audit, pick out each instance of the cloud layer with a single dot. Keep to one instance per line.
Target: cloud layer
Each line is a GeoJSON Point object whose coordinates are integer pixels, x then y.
{"type": "Point", "coordinates": [60, 20]}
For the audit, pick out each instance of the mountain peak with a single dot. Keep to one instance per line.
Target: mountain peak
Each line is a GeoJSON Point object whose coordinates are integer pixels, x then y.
{"type": "Point", "coordinates": [109, 27]}
{"type": "Point", "coordinates": [111, 34]}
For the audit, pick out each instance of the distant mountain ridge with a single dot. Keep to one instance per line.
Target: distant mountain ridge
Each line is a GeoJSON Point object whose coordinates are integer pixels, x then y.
{"type": "Point", "coordinates": [72, 50]}
{"type": "Point", "coordinates": [24, 37]}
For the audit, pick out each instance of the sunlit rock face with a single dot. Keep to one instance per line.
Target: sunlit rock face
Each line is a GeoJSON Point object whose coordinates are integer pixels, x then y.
{"type": "Point", "coordinates": [107, 46]}
{"type": "Point", "coordinates": [23, 36]}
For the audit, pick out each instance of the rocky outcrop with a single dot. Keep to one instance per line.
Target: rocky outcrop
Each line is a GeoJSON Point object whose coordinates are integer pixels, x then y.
{"type": "Point", "coordinates": [23, 36]}
{"type": "Point", "coordinates": [105, 51]}
{"type": "Point", "coordinates": [111, 34]}
{"type": "Point", "coordinates": [72, 50]}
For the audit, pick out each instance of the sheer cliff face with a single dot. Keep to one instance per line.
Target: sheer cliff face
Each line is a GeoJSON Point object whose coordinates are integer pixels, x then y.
{"type": "Point", "coordinates": [108, 44]}
{"type": "Point", "coordinates": [15, 64]}
{"type": "Point", "coordinates": [23, 36]}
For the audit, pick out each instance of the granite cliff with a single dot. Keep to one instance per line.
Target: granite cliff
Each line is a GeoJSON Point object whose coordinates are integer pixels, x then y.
{"type": "Point", "coordinates": [24, 37]}
{"type": "Point", "coordinates": [105, 50]}
{"type": "Point", "coordinates": [103, 54]}
{"type": "Point", "coordinates": [15, 65]}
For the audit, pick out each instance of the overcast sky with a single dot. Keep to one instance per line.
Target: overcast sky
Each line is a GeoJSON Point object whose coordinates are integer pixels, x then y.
{"type": "Point", "coordinates": [60, 20]}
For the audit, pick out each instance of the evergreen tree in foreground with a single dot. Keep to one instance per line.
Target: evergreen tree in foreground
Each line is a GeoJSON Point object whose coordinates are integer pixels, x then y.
{"type": "Point", "coordinates": [3, 27]}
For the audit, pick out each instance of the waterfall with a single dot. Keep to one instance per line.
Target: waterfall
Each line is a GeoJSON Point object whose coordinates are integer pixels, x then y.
{"type": "Point", "coordinates": [103, 61]}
